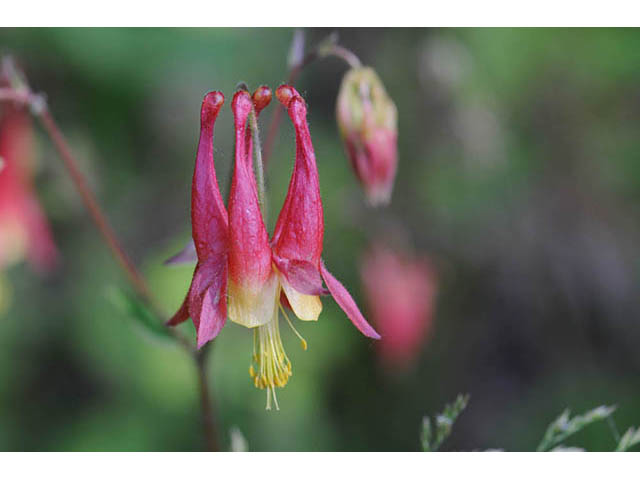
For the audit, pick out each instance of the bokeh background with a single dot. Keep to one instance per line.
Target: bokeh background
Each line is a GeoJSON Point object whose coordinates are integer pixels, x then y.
{"type": "Point", "coordinates": [519, 177]}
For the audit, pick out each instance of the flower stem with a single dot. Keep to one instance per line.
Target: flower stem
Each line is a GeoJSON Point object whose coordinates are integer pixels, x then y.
{"type": "Point", "coordinates": [277, 115]}
{"type": "Point", "coordinates": [39, 109]}
{"type": "Point", "coordinates": [324, 49]}
{"type": "Point", "coordinates": [257, 149]}
{"type": "Point", "coordinates": [91, 204]}
{"type": "Point", "coordinates": [18, 96]}
{"type": "Point", "coordinates": [206, 404]}
{"type": "Point", "coordinates": [345, 54]}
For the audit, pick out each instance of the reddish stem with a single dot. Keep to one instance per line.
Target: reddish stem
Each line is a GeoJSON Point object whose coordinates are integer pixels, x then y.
{"type": "Point", "coordinates": [320, 52]}
{"type": "Point", "coordinates": [40, 110]}
{"type": "Point", "coordinates": [90, 202]}
{"type": "Point", "coordinates": [37, 104]}
{"type": "Point", "coordinates": [135, 277]}
{"type": "Point", "coordinates": [18, 96]}
{"type": "Point", "coordinates": [277, 115]}
{"type": "Point", "coordinates": [206, 403]}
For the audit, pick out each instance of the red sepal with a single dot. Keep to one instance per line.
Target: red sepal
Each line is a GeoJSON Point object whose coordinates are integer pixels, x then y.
{"type": "Point", "coordinates": [347, 304]}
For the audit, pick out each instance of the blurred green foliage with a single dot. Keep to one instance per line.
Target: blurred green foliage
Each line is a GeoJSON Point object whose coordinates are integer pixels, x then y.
{"type": "Point", "coordinates": [519, 175]}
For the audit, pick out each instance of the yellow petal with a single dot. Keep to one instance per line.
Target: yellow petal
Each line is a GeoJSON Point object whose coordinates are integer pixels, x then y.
{"type": "Point", "coordinates": [306, 307]}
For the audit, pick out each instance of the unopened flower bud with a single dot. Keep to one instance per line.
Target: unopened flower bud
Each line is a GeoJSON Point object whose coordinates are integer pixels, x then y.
{"type": "Point", "coordinates": [367, 119]}
{"type": "Point", "coordinates": [261, 98]}
{"type": "Point", "coordinates": [284, 94]}
{"type": "Point", "coordinates": [24, 230]}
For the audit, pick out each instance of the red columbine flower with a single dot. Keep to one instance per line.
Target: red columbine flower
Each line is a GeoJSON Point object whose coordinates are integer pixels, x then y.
{"type": "Point", "coordinates": [263, 276]}
{"type": "Point", "coordinates": [24, 230]}
{"type": "Point", "coordinates": [400, 292]}
{"type": "Point", "coordinates": [206, 301]}
{"type": "Point", "coordinates": [367, 119]}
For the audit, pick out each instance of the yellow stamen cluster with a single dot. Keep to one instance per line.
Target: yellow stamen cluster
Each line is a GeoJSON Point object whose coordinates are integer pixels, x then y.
{"type": "Point", "coordinates": [271, 367]}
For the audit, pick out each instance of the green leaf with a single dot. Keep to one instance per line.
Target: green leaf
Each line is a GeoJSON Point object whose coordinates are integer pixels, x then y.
{"type": "Point", "coordinates": [146, 321]}
{"type": "Point", "coordinates": [564, 426]}
{"type": "Point", "coordinates": [443, 424]}
{"type": "Point", "coordinates": [629, 439]}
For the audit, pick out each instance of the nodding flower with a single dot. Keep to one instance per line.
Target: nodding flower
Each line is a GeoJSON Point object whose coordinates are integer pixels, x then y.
{"type": "Point", "coordinates": [367, 119]}
{"type": "Point", "coordinates": [265, 276]}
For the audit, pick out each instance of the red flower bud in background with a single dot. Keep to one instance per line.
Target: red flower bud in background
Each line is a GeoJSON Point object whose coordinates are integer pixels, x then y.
{"type": "Point", "coordinates": [400, 292]}
{"type": "Point", "coordinates": [367, 119]}
{"type": "Point", "coordinates": [24, 230]}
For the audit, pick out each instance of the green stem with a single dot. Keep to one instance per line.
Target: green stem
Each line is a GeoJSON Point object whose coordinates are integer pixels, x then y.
{"type": "Point", "coordinates": [257, 149]}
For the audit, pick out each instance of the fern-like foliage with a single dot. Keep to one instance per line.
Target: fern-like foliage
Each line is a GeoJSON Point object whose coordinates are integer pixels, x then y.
{"type": "Point", "coordinates": [433, 434]}
{"type": "Point", "coordinates": [629, 439]}
{"type": "Point", "coordinates": [564, 426]}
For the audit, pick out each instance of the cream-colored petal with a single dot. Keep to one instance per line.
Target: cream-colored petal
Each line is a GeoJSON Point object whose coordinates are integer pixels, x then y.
{"type": "Point", "coordinates": [250, 307]}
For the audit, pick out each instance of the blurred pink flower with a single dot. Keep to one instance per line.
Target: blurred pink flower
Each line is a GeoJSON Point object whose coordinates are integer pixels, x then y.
{"type": "Point", "coordinates": [400, 291]}
{"type": "Point", "coordinates": [24, 231]}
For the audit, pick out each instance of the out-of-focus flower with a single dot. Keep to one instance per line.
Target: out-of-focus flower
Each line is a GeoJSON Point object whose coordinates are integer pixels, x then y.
{"type": "Point", "coordinates": [400, 292]}
{"type": "Point", "coordinates": [367, 119]}
{"type": "Point", "coordinates": [24, 231]}
{"type": "Point", "coordinates": [263, 276]}
{"type": "Point", "coordinates": [445, 63]}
